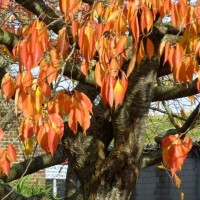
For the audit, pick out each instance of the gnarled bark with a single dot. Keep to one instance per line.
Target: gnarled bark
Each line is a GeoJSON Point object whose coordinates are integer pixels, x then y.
{"type": "Point", "coordinates": [114, 175]}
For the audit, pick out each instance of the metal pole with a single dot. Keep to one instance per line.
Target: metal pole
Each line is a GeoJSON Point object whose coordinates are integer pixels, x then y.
{"type": "Point", "coordinates": [54, 187]}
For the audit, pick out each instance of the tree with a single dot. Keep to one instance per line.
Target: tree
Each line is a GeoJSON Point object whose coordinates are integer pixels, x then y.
{"type": "Point", "coordinates": [119, 57]}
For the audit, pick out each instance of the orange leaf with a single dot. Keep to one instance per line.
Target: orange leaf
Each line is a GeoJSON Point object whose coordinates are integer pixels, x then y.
{"type": "Point", "coordinates": [51, 74]}
{"type": "Point", "coordinates": [84, 100]}
{"type": "Point", "coordinates": [148, 18]}
{"type": "Point", "coordinates": [1, 134]}
{"type": "Point", "coordinates": [135, 27]}
{"type": "Point", "coordinates": [114, 65]}
{"type": "Point", "coordinates": [99, 31]}
{"type": "Point", "coordinates": [28, 130]}
{"type": "Point", "coordinates": [175, 151]}
{"type": "Point", "coordinates": [131, 65]}
{"type": "Point", "coordinates": [121, 45]}
{"type": "Point", "coordinates": [109, 92]}
{"type": "Point", "coordinates": [167, 49]}
{"type": "Point", "coordinates": [53, 140]}
{"type": "Point", "coordinates": [143, 22]}
{"type": "Point", "coordinates": [28, 104]}
{"type": "Point", "coordinates": [84, 67]}
{"type": "Point", "coordinates": [98, 74]}
{"type": "Point", "coordinates": [42, 138]}
{"type": "Point", "coordinates": [57, 124]}
{"type": "Point", "coordinates": [46, 89]}
{"type": "Point", "coordinates": [86, 121]}
{"type": "Point", "coordinates": [5, 164]}
{"type": "Point", "coordinates": [72, 121]}
{"type": "Point", "coordinates": [37, 54]}
{"type": "Point", "coordinates": [141, 53]}
{"type": "Point", "coordinates": [8, 86]}
{"type": "Point", "coordinates": [26, 79]}
{"type": "Point", "coordinates": [11, 152]}
{"type": "Point", "coordinates": [64, 6]}
{"type": "Point", "coordinates": [81, 37]}
{"type": "Point", "coordinates": [74, 28]}
{"type": "Point", "coordinates": [63, 43]}
{"type": "Point", "coordinates": [150, 48]}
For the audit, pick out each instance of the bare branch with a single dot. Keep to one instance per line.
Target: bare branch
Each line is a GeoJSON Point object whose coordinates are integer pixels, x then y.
{"type": "Point", "coordinates": [164, 112]}
{"type": "Point", "coordinates": [187, 126]}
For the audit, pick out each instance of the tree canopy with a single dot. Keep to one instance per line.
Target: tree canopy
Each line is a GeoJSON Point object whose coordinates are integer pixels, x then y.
{"type": "Point", "coordinates": [118, 59]}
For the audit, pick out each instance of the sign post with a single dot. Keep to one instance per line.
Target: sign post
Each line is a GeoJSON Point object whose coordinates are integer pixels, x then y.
{"type": "Point", "coordinates": [56, 172]}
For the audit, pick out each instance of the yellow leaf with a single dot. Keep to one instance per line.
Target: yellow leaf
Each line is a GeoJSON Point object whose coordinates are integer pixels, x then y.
{"type": "Point", "coordinates": [119, 93]}
{"type": "Point", "coordinates": [177, 181]}
{"type": "Point", "coordinates": [38, 100]}
{"type": "Point", "coordinates": [113, 15]}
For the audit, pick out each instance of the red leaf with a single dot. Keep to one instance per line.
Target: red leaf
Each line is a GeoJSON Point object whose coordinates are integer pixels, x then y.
{"type": "Point", "coordinates": [1, 134]}
{"type": "Point", "coordinates": [11, 152]}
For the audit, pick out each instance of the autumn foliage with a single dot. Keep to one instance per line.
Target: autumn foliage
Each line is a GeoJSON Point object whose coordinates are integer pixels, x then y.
{"type": "Point", "coordinates": [97, 36]}
{"type": "Point", "coordinates": [175, 151]}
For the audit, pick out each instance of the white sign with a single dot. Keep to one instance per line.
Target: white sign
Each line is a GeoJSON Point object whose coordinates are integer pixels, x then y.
{"type": "Point", "coordinates": [56, 172]}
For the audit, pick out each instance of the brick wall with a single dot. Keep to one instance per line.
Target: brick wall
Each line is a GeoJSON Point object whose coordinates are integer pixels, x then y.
{"type": "Point", "coordinates": [156, 184]}
{"type": "Point", "coordinates": [10, 125]}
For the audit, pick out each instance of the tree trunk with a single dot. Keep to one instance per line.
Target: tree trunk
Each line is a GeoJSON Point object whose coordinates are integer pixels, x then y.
{"type": "Point", "coordinates": [113, 175]}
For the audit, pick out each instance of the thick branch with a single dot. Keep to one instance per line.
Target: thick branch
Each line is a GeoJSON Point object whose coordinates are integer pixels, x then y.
{"type": "Point", "coordinates": [37, 163]}
{"type": "Point", "coordinates": [74, 72]}
{"type": "Point", "coordinates": [151, 158]}
{"type": "Point", "coordinates": [7, 38]}
{"type": "Point", "coordinates": [172, 92]}
{"type": "Point", "coordinates": [46, 14]}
